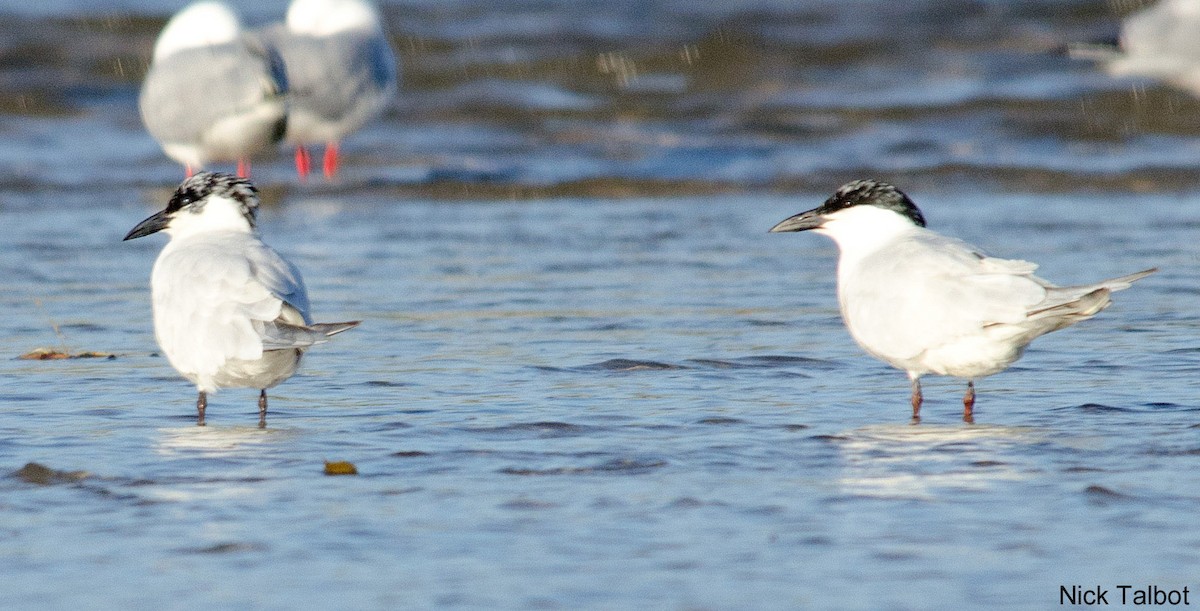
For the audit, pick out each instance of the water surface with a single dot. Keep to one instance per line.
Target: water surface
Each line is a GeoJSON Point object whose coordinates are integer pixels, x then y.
{"type": "Point", "coordinates": [587, 376]}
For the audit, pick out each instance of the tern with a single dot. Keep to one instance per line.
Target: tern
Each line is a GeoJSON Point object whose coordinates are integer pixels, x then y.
{"type": "Point", "coordinates": [212, 93]}
{"type": "Point", "coordinates": [926, 303]}
{"type": "Point", "coordinates": [229, 311]}
{"type": "Point", "coordinates": [341, 73]}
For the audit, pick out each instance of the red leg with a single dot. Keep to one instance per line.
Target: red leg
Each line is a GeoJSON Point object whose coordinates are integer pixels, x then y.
{"type": "Point", "coordinates": [303, 162]}
{"type": "Point", "coordinates": [331, 159]}
{"type": "Point", "coordinates": [187, 170]}
{"type": "Point", "coordinates": [243, 169]}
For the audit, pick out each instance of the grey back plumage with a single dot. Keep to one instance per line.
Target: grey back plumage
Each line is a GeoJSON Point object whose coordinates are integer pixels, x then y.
{"type": "Point", "coordinates": [219, 102]}
{"type": "Point", "coordinates": [337, 83]}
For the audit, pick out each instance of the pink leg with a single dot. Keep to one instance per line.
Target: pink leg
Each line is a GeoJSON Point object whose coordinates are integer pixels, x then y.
{"type": "Point", "coordinates": [243, 169]}
{"type": "Point", "coordinates": [331, 159]}
{"type": "Point", "coordinates": [303, 162]}
{"type": "Point", "coordinates": [187, 170]}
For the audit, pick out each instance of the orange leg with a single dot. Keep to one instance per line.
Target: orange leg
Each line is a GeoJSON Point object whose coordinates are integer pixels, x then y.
{"type": "Point", "coordinates": [303, 162]}
{"type": "Point", "coordinates": [331, 159]}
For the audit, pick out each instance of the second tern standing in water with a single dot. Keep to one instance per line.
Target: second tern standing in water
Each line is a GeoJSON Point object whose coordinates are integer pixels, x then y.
{"type": "Point", "coordinates": [229, 312]}
{"type": "Point", "coordinates": [926, 303]}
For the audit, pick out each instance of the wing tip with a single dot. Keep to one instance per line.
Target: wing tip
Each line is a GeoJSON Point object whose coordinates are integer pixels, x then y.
{"type": "Point", "coordinates": [333, 328]}
{"type": "Point", "coordinates": [1124, 282]}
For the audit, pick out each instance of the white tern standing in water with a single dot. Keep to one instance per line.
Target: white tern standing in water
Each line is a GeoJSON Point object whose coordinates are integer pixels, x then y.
{"type": "Point", "coordinates": [926, 303]}
{"type": "Point", "coordinates": [228, 310]}
{"type": "Point", "coordinates": [212, 94]}
{"type": "Point", "coordinates": [341, 73]}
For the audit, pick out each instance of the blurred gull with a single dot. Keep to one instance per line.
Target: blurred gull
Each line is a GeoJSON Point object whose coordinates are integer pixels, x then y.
{"type": "Point", "coordinates": [926, 303]}
{"type": "Point", "coordinates": [229, 312]}
{"type": "Point", "coordinates": [341, 73]}
{"type": "Point", "coordinates": [1160, 41]}
{"type": "Point", "coordinates": [212, 94]}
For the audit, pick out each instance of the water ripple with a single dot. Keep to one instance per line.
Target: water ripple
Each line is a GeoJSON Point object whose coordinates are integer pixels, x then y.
{"type": "Point", "coordinates": [619, 466]}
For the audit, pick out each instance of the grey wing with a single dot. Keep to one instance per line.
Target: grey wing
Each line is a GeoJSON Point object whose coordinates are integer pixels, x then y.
{"type": "Point", "coordinates": [184, 94]}
{"type": "Point", "coordinates": [281, 278]}
{"type": "Point", "coordinates": [345, 79]}
{"type": "Point", "coordinates": [381, 59]}
{"type": "Point", "coordinates": [259, 45]}
{"type": "Point", "coordinates": [293, 328]}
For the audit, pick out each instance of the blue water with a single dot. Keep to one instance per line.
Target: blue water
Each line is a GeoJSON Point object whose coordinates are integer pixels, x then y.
{"type": "Point", "coordinates": [587, 377]}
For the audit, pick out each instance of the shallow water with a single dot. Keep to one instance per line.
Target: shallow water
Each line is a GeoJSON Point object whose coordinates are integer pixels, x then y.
{"type": "Point", "coordinates": [587, 376]}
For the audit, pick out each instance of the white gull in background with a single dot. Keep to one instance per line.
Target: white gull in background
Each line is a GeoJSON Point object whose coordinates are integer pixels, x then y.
{"type": "Point", "coordinates": [926, 303]}
{"type": "Point", "coordinates": [229, 311]}
{"type": "Point", "coordinates": [1160, 41]}
{"type": "Point", "coordinates": [341, 73]}
{"type": "Point", "coordinates": [211, 93]}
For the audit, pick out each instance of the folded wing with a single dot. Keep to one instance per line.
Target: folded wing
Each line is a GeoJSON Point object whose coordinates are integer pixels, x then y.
{"type": "Point", "coordinates": [223, 297]}
{"type": "Point", "coordinates": [928, 291]}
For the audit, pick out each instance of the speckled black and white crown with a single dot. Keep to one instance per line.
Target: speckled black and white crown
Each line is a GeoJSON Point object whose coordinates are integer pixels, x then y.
{"type": "Point", "coordinates": [873, 193]}
{"type": "Point", "coordinates": [193, 194]}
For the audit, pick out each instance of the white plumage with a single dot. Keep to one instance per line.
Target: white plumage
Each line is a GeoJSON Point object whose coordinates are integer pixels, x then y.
{"type": "Point", "coordinates": [926, 303]}
{"type": "Point", "coordinates": [228, 310]}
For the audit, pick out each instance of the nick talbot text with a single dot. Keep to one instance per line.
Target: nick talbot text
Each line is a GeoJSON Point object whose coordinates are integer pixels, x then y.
{"type": "Point", "coordinates": [1122, 595]}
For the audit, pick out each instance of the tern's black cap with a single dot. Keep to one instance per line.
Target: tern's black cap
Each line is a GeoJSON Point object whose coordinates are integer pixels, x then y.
{"type": "Point", "coordinates": [873, 193]}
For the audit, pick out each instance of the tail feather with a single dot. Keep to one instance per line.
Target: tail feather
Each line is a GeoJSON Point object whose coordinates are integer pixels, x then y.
{"type": "Point", "coordinates": [1124, 282]}
{"type": "Point", "coordinates": [1080, 302]}
{"type": "Point", "coordinates": [278, 335]}
{"type": "Point", "coordinates": [1085, 306]}
{"type": "Point", "coordinates": [1060, 295]}
{"type": "Point", "coordinates": [333, 328]}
